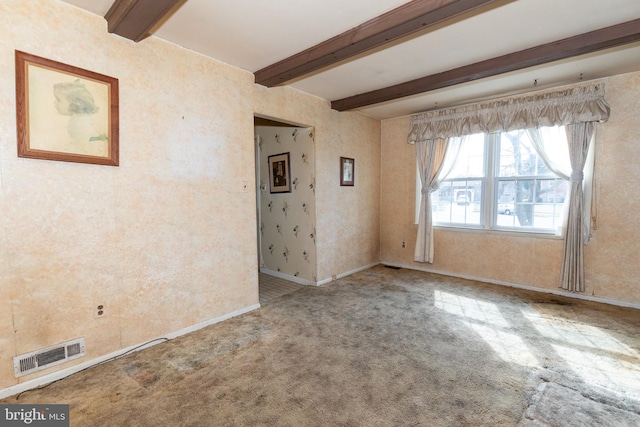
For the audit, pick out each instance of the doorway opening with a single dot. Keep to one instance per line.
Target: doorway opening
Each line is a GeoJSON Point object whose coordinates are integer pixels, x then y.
{"type": "Point", "coordinates": [285, 203]}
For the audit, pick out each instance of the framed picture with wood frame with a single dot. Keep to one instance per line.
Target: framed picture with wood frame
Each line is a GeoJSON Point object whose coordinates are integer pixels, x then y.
{"type": "Point", "coordinates": [280, 173]}
{"type": "Point", "coordinates": [65, 113]}
{"type": "Point", "coordinates": [347, 171]}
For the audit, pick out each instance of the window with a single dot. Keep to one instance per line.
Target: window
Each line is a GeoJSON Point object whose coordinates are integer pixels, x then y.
{"type": "Point", "coordinates": [459, 199]}
{"type": "Point", "coordinates": [499, 181]}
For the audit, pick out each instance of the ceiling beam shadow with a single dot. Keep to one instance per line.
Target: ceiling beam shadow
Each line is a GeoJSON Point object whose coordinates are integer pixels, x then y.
{"type": "Point", "coordinates": [405, 20]}
{"type": "Point", "coordinates": [582, 44]}
{"type": "Point", "coordinates": [134, 19]}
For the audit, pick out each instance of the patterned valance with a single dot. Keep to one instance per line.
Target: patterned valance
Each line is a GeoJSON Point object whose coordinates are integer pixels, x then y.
{"type": "Point", "coordinates": [561, 107]}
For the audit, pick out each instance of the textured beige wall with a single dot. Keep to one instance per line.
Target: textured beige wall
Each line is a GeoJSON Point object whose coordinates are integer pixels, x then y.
{"type": "Point", "coordinates": [168, 238]}
{"type": "Point", "coordinates": [612, 266]}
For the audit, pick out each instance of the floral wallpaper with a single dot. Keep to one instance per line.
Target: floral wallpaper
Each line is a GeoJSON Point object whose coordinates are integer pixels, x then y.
{"type": "Point", "coordinates": [288, 220]}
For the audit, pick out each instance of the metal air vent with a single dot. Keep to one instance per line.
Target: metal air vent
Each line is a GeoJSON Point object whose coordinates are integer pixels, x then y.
{"type": "Point", "coordinates": [46, 357]}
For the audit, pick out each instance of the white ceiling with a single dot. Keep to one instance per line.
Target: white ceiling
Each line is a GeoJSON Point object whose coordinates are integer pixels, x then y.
{"type": "Point", "coordinates": [252, 34]}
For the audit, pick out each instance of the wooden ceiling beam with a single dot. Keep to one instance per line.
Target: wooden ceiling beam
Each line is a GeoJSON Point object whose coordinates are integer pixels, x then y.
{"type": "Point", "coordinates": [582, 44]}
{"type": "Point", "coordinates": [134, 19]}
{"type": "Point", "coordinates": [417, 15]}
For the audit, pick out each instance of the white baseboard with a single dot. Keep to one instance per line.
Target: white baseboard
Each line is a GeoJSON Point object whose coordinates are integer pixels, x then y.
{"type": "Point", "coordinates": [348, 273]}
{"type": "Point", "coordinates": [54, 376]}
{"type": "Point", "coordinates": [288, 277]}
{"type": "Point", "coordinates": [301, 281]}
{"type": "Point", "coordinates": [519, 286]}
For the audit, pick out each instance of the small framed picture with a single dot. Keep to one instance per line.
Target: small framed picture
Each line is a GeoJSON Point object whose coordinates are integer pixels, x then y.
{"type": "Point", "coordinates": [280, 173]}
{"type": "Point", "coordinates": [65, 113]}
{"type": "Point", "coordinates": [347, 171]}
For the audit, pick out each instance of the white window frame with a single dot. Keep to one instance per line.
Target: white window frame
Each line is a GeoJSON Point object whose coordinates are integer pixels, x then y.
{"type": "Point", "coordinates": [489, 205]}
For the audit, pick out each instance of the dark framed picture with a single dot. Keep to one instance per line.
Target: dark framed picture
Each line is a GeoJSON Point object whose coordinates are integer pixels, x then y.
{"type": "Point", "coordinates": [347, 171]}
{"type": "Point", "coordinates": [65, 113]}
{"type": "Point", "coordinates": [280, 173]}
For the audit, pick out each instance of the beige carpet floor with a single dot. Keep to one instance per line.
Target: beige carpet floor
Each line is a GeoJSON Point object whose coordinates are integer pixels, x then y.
{"type": "Point", "coordinates": [383, 347]}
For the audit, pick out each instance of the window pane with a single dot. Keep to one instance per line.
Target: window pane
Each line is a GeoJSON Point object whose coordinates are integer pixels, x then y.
{"type": "Point", "coordinates": [441, 203]}
{"type": "Point", "coordinates": [555, 145]}
{"type": "Point", "coordinates": [518, 157]}
{"type": "Point", "coordinates": [531, 203]}
{"type": "Point", "coordinates": [458, 202]}
{"type": "Point", "coordinates": [549, 201]}
{"type": "Point", "coordinates": [470, 159]}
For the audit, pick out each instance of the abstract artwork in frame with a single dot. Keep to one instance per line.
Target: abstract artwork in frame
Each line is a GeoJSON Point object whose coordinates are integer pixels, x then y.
{"type": "Point", "coordinates": [280, 173]}
{"type": "Point", "coordinates": [65, 113]}
{"type": "Point", "coordinates": [347, 171]}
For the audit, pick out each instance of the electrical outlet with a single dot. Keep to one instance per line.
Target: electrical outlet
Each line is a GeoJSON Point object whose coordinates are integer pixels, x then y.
{"type": "Point", "coordinates": [403, 244]}
{"type": "Point", "coordinates": [101, 311]}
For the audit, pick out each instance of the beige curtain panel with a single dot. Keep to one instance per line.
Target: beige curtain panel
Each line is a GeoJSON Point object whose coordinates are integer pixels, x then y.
{"type": "Point", "coordinates": [431, 156]}
{"type": "Point", "coordinates": [572, 278]}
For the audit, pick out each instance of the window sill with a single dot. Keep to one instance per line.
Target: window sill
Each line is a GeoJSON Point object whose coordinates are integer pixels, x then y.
{"type": "Point", "coordinates": [497, 232]}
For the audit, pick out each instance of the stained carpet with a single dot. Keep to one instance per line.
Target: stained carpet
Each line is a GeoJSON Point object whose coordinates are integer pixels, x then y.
{"type": "Point", "coordinates": [382, 347]}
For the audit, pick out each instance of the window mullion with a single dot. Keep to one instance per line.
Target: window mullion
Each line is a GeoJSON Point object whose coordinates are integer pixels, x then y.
{"type": "Point", "coordinates": [490, 183]}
